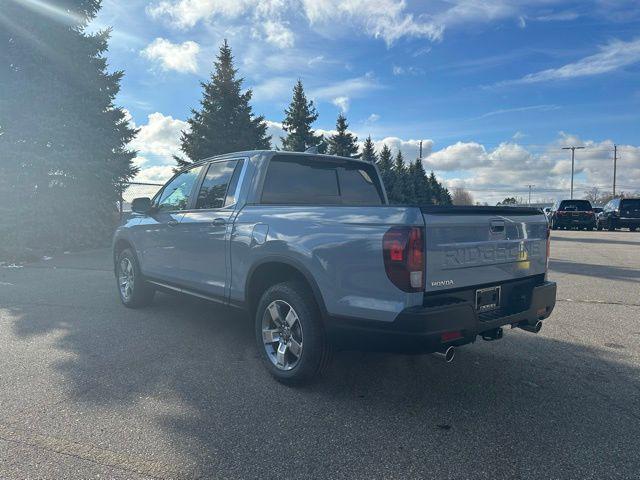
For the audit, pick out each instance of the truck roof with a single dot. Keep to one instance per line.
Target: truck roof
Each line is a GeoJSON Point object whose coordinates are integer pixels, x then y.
{"type": "Point", "coordinates": [271, 153]}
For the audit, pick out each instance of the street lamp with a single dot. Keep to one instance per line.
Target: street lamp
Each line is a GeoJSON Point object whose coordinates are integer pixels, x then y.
{"type": "Point", "coordinates": [573, 153]}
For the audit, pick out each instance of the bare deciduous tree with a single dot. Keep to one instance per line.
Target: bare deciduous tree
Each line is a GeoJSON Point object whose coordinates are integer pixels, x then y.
{"type": "Point", "coordinates": [461, 196]}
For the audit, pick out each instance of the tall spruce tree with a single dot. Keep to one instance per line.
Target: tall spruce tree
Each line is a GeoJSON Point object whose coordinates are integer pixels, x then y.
{"type": "Point", "coordinates": [63, 142]}
{"type": "Point", "coordinates": [225, 122]}
{"type": "Point", "coordinates": [398, 191]}
{"type": "Point", "coordinates": [385, 166]}
{"type": "Point", "coordinates": [369, 151]}
{"type": "Point", "coordinates": [343, 143]}
{"type": "Point", "coordinates": [297, 123]}
{"type": "Point", "coordinates": [441, 195]}
{"type": "Point", "coordinates": [420, 184]}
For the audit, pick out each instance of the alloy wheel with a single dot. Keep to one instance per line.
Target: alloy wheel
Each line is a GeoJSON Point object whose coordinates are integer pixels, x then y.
{"type": "Point", "coordinates": [126, 278]}
{"type": "Point", "coordinates": [282, 335]}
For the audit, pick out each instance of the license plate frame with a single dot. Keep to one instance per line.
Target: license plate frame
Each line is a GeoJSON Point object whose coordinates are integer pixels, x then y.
{"type": "Point", "coordinates": [488, 299]}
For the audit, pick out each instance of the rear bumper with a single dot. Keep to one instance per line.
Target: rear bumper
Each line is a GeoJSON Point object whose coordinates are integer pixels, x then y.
{"type": "Point", "coordinates": [575, 222]}
{"type": "Point", "coordinates": [420, 329]}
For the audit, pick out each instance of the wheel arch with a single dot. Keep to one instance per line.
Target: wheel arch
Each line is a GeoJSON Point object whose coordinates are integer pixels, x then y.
{"type": "Point", "coordinates": [276, 269]}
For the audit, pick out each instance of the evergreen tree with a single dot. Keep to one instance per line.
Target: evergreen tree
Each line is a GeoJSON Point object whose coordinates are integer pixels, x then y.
{"type": "Point", "coordinates": [398, 192]}
{"type": "Point", "coordinates": [63, 142]}
{"type": "Point", "coordinates": [441, 195]}
{"type": "Point", "coordinates": [369, 151]}
{"type": "Point", "coordinates": [420, 183]}
{"type": "Point", "coordinates": [225, 122]}
{"type": "Point", "coordinates": [297, 123]}
{"type": "Point", "coordinates": [385, 166]}
{"type": "Point", "coordinates": [343, 143]}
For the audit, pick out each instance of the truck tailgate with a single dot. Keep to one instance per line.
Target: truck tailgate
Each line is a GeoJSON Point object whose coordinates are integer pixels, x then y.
{"type": "Point", "coordinates": [469, 246]}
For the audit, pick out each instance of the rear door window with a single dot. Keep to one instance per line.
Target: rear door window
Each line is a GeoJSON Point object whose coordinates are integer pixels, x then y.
{"type": "Point", "coordinates": [300, 182]}
{"type": "Point", "coordinates": [213, 192]}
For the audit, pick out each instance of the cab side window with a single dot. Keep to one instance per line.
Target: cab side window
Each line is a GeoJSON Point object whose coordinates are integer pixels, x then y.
{"type": "Point", "coordinates": [175, 195]}
{"type": "Point", "coordinates": [213, 192]}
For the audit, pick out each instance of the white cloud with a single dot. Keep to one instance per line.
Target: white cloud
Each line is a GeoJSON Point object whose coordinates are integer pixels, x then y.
{"type": "Point", "coordinates": [352, 87]}
{"type": "Point", "coordinates": [342, 103]}
{"type": "Point", "coordinates": [278, 34]}
{"type": "Point", "coordinates": [457, 157]}
{"type": "Point", "coordinates": [612, 56]}
{"type": "Point", "coordinates": [373, 118]}
{"type": "Point", "coordinates": [410, 148]}
{"type": "Point", "coordinates": [181, 57]}
{"type": "Point", "coordinates": [508, 169]}
{"type": "Point", "coordinates": [159, 138]}
{"type": "Point", "coordinates": [274, 88]}
{"type": "Point", "coordinates": [385, 19]}
{"type": "Point", "coordinates": [154, 174]}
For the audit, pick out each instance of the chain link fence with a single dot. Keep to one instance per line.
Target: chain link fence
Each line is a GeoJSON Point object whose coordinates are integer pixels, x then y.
{"type": "Point", "coordinates": [131, 190]}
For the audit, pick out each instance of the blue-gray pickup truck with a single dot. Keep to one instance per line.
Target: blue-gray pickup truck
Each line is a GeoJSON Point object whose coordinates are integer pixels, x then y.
{"type": "Point", "coordinates": [309, 246]}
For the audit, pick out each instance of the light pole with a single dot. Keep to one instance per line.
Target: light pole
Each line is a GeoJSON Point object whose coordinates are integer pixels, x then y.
{"type": "Point", "coordinates": [530, 187]}
{"type": "Point", "coordinates": [573, 153]}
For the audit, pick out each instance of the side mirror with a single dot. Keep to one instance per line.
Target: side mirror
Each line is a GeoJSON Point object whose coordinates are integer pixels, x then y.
{"type": "Point", "coordinates": [141, 205]}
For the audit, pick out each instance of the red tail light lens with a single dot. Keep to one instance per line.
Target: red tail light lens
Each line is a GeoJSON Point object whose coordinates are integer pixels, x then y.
{"type": "Point", "coordinates": [548, 244]}
{"type": "Point", "coordinates": [403, 253]}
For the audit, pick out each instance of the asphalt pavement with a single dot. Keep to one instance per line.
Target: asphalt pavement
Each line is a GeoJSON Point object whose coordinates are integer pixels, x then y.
{"type": "Point", "coordinates": [90, 389]}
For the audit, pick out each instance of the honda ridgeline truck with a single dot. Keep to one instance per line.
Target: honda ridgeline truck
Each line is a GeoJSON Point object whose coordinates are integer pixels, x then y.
{"type": "Point", "coordinates": [309, 245]}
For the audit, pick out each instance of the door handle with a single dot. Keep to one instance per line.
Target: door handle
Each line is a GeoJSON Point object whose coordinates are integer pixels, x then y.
{"type": "Point", "coordinates": [218, 222]}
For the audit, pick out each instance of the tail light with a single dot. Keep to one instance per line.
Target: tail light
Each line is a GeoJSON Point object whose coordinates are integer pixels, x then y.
{"type": "Point", "coordinates": [403, 253]}
{"type": "Point", "coordinates": [548, 244]}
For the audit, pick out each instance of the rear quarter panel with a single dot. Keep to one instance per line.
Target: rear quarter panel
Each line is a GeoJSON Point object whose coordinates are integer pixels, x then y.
{"type": "Point", "coordinates": [339, 247]}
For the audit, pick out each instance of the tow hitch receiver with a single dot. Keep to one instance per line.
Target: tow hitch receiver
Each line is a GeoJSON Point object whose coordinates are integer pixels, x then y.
{"type": "Point", "coordinates": [493, 334]}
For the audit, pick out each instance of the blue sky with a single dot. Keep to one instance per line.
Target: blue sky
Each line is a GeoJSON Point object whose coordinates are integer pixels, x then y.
{"type": "Point", "coordinates": [494, 88]}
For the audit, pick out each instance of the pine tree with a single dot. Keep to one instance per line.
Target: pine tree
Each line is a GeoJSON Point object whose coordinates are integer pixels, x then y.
{"type": "Point", "coordinates": [297, 123]}
{"type": "Point", "coordinates": [369, 151]}
{"type": "Point", "coordinates": [343, 143]}
{"type": "Point", "coordinates": [398, 192]}
{"type": "Point", "coordinates": [63, 142]}
{"type": "Point", "coordinates": [420, 183]}
{"type": "Point", "coordinates": [225, 122]}
{"type": "Point", "coordinates": [441, 195]}
{"type": "Point", "coordinates": [385, 166]}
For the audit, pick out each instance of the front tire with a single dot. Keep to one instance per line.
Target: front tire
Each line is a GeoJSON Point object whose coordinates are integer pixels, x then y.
{"type": "Point", "coordinates": [290, 335]}
{"type": "Point", "coordinates": [134, 291]}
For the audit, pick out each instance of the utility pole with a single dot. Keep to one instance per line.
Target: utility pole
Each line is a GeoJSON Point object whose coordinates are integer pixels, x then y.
{"type": "Point", "coordinates": [615, 161]}
{"type": "Point", "coordinates": [573, 154]}
{"type": "Point", "coordinates": [530, 187]}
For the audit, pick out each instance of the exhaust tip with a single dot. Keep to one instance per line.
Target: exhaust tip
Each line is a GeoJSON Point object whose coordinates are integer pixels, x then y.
{"type": "Point", "coordinates": [535, 328]}
{"type": "Point", "coordinates": [447, 354]}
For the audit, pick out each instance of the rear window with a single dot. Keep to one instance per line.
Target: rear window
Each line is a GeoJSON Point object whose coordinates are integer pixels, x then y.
{"type": "Point", "coordinates": [575, 205]}
{"type": "Point", "coordinates": [630, 204]}
{"type": "Point", "coordinates": [309, 181]}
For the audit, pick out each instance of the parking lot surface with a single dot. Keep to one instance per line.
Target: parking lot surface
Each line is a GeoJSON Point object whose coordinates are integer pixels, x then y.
{"type": "Point", "coordinates": [90, 389]}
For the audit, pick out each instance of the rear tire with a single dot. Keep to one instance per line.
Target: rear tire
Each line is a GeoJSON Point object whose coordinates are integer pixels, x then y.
{"type": "Point", "coordinates": [134, 290]}
{"type": "Point", "coordinates": [290, 334]}
{"type": "Point", "coordinates": [632, 229]}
